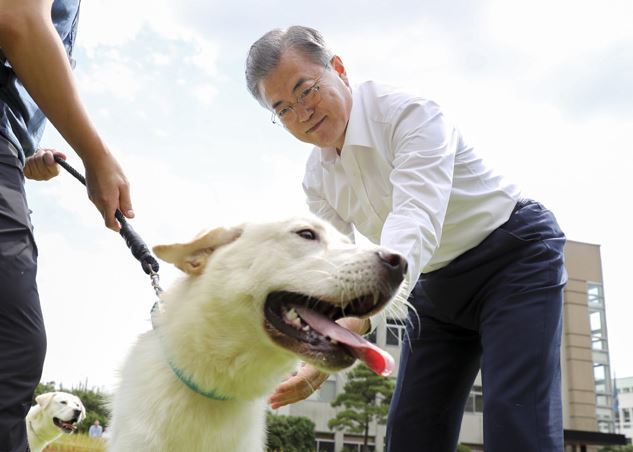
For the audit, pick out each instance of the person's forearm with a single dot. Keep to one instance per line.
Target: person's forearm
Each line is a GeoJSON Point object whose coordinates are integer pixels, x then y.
{"type": "Point", "coordinates": [360, 326]}
{"type": "Point", "coordinates": [31, 44]}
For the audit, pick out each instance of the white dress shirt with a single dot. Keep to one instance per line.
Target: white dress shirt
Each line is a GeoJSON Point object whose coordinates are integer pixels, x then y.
{"type": "Point", "coordinates": [406, 180]}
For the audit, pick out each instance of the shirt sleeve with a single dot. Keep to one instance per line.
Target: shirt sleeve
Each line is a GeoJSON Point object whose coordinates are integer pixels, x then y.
{"type": "Point", "coordinates": [318, 205]}
{"type": "Point", "coordinates": [424, 147]}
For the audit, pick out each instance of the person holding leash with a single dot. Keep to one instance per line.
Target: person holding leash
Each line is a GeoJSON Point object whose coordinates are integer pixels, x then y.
{"type": "Point", "coordinates": [486, 270]}
{"type": "Point", "coordinates": [36, 81]}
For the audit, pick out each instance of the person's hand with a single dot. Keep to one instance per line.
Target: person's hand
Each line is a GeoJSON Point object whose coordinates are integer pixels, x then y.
{"type": "Point", "coordinates": [42, 165]}
{"type": "Point", "coordinates": [299, 386]}
{"type": "Point", "coordinates": [108, 188]}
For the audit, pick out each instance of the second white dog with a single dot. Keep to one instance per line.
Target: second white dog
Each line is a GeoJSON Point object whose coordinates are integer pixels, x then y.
{"type": "Point", "coordinates": [255, 299]}
{"type": "Point", "coordinates": [53, 414]}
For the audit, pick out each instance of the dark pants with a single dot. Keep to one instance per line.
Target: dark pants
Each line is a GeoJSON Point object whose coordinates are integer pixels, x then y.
{"type": "Point", "coordinates": [22, 335]}
{"type": "Point", "coordinates": [496, 307]}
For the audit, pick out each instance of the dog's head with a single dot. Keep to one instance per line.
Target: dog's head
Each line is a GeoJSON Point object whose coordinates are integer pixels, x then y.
{"type": "Point", "coordinates": [302, 275]}
{"type": "Point", "coordinates": [62, 409]}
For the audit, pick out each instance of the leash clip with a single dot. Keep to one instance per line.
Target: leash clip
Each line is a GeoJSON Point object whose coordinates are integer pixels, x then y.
{"type": "Point", "coordinates": [157, 307]}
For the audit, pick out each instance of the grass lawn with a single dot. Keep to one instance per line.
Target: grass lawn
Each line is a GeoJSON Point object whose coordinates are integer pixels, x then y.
{"type": "Point", "coordinates": [77, 443]}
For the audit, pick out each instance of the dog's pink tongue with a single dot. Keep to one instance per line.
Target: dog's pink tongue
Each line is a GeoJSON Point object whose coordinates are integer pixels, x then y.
{"type": "Point", "coordinates": [376, 359]}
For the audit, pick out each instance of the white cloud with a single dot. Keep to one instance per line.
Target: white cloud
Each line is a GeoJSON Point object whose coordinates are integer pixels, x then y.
{"type": "Point", "coordinates": [113, 23]}
{"type": "Point", "coordinates": [554, 31]}
{"type": "Point", "coordinates": [110, 77]}
{"type": "Point", "coordinates": [205, 93]}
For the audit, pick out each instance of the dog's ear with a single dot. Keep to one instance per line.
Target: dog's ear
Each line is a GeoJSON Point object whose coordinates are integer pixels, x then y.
{"type": "Point", "coordinates": [192, 257]}
{"type": "Point", "coordinates": [82, 415]}
{"type": "Point", "coordinates": [44, 399]}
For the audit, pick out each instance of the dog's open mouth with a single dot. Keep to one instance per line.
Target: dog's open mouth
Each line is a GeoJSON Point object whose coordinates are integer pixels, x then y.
{"type": "Point", "coordinates": [66, 426]}
{"type": "Point", "coordinates": [306, 326]}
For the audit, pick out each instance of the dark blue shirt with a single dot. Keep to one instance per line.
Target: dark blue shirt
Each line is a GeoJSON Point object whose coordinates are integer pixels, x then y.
{"type": "Point", "coordinates": [21, 121]}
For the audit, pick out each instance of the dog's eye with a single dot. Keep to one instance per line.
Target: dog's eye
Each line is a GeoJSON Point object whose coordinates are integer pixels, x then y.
{"type": "Point", "coordinates": [307, 234]}
{"type": "Point", "coordinates": [63, 402]}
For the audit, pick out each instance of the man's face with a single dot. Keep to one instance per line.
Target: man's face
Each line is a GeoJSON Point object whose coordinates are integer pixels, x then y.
{"type": "Point", "coordinates": [323, 120]}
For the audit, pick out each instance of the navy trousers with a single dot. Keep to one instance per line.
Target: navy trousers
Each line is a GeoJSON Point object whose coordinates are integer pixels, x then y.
{"type": "Point", "coordinates": [22, 335]}
{"type": "Point", "coordinates": [498, 308]}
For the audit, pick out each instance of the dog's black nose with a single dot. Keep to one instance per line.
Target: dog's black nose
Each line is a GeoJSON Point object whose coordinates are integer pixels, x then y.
{"type": "Point", "coordinates": [396, 266]}
{"type": "Point", "coordinates": [77, 413]}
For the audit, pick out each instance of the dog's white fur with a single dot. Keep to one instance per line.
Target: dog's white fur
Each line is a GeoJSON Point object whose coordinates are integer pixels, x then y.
{"type": "Point", "coordinates": [212, 329]}
{"type": "Point", "coordinates": [40, 427]}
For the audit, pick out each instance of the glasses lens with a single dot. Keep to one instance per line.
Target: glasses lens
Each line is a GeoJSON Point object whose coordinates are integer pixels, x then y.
{"type": "Point", "coordinates": [310, 96]}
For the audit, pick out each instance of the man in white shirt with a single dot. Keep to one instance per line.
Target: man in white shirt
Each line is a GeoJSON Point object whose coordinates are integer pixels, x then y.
{"type": "Point", "coordinates": [486, 268]}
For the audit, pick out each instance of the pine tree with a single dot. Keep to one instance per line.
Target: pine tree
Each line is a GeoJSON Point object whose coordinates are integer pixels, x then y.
{"type": "Point", "coordinates": [365, 399]}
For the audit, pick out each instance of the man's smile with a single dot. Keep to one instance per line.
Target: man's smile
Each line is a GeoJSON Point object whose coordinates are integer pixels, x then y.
{"type": "Point", "coordinates": [315, 127]}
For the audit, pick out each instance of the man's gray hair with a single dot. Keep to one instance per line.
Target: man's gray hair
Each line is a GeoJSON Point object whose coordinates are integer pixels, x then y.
{"type": "Point", "coordinates": [265, 53]}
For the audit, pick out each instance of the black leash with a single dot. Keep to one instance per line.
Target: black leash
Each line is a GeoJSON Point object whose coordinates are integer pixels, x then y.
{"type": "Point", "coordinates": [132, 239]}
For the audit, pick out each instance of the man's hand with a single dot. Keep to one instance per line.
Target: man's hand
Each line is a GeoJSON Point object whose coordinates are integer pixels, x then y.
{"type": "Point", "coordinates": [108, 188]}
{"type": "Point", "coordinates": [298, 386]}
{"type": "Point", "coordinates": [42, 165]}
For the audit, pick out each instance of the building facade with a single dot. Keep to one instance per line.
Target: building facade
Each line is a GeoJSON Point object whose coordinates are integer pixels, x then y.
{"type": "Point", "coordinates": [587, 388]}
{"type": "Point", "coordinates": [624, 407]}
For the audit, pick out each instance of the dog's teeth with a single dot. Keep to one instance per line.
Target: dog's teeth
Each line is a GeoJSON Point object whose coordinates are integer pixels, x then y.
{"type": "Point", "coordinates": [296, 322]}
{"type": "Point", "coordinates": [306, 328]}
{"type": "Point", "coordinates": [333, 341]}
{"type": "Point", "coordinates": [292, 314]}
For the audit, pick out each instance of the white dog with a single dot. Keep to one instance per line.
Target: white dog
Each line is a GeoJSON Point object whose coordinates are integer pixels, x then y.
{"type": "Point", "coordinates": [53, 414]}
{"type": "Point", "coordinates": [255, 299]}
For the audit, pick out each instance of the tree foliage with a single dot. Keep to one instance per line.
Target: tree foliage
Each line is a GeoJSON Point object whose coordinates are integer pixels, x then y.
{"type": "Point", "coordinates": [365, 399]}
{"type": "Point", "coordinates": [289, 433]}
{"type": "Point", "coordinates": [628, 448]}
{"type": "Point", "coordinates": [95, 402]}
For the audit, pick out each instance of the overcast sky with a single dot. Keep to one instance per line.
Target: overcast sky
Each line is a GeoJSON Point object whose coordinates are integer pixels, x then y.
{"type": "Point", "coordinates": [542, 89]}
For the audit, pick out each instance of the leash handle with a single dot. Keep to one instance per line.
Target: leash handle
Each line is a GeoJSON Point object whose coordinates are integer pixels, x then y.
{"type": "Point", "coordinates": [132, 239]}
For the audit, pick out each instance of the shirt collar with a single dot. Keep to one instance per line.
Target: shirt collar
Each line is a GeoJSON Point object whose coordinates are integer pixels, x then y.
{"type": "Point", "coordinates": [357, 133]}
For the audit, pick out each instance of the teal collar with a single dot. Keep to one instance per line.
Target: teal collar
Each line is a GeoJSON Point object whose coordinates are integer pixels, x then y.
{"type": "Point", "coordinates": [193, 386]}
{"type": "Point", "coordinates": [187, 381]}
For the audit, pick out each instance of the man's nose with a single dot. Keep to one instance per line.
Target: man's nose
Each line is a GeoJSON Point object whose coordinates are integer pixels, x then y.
{"type": "Point", "coordinates": [304, 112]}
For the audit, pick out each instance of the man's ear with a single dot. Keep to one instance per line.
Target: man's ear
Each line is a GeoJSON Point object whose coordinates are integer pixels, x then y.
{"type": "Point", "coordinates": [192, 257]}
{"type": "Point", "coordinates": [339, 68]}
{"type": "Point", "coordinates": [44, 399]}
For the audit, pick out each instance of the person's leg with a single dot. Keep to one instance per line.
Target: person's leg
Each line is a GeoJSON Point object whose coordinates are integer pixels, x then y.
{"type": "Point", "coordinates": [521, 328]}
{"type": "Point", "coordinates": [437, 370]}
{"type": "Point", "coordinates": [22, 334]}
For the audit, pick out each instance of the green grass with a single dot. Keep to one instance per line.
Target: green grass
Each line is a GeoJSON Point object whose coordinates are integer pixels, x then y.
{"type": "Point", "coordinates": [77, 443]}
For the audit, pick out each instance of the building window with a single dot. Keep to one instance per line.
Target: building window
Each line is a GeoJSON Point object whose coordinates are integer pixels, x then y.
{"type": "Point", "coordinates": [599, 376]}
{"type": "Point", "coordinates": [626, 415]}
{"type": "Point", "coordinates": [324, 445]}
{"type": "Point", "coordinates": [371, 337]}
{"type": "Point", "coordinates": [604, 426]}
{"type": "Point", "coordinates": [350, 447]}
{"type": "Point", "coordinates": [595, 296]}
{"type": "Point", "coordinates": [395, 331]}
{"type": "Point", "coordinates": [600, 352]}
{"type": "Point", "coordinates": [475, 402]}
{"type": "Point", "coordinates": [595, 320]}
{"type": "Point", "coordinates": [598, 344]}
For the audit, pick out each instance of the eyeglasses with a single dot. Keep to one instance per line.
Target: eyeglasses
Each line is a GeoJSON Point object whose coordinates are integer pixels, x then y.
{"type": "Point", "coordinates": [309, 96]}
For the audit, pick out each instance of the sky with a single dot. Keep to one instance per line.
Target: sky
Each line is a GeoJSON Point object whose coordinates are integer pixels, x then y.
{"type": "Point", "coordinates": [543, 90]}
